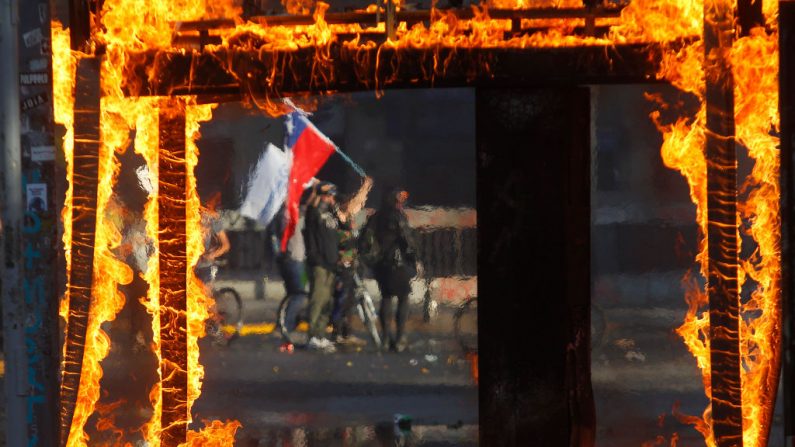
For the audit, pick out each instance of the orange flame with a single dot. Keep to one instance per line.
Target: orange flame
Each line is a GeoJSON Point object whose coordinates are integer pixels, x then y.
{"type": "Point", "coordinates": [63, 109]}
{"type": "Point", "coordinates": [106, 299]}
{"type": "Point", "coordinates": [756, 115]}
{"type": "Point", "coordinates": [134, 25]}
{"type": "Point", "coordinates": [125, 29]}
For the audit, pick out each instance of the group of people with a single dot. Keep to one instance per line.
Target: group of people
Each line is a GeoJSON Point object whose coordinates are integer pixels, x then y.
{"type": "Point", "coordinates": [328, 250]}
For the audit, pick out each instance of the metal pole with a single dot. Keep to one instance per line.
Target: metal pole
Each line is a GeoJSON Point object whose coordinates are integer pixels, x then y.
{"type": "Point", "coordinates": [31, 247]}
{"type": "Point", "coordinates": [724, 302]}
{"type": "Point", "coordinates": [12, 212]}
{"type": "Point", "coordinates": [173, 176]}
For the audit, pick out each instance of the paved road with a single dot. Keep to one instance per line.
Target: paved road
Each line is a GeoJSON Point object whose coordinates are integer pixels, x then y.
{"type": "Point", "coordinates": [309, 398]}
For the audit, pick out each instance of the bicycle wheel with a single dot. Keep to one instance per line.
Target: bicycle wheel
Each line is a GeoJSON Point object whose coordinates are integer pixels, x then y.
{"type": "Point", "coordinates": [465, 325]}
{"type": "Point", "coordinates": [229, 308]}
{"type": "Point", "coordinates": [292, 319]}
{"type": "Point", "coordinates": [369, 318]}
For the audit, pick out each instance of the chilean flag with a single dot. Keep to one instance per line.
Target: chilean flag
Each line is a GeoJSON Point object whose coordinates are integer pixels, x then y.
{"type": "Point", "coordinates": [310, 150]}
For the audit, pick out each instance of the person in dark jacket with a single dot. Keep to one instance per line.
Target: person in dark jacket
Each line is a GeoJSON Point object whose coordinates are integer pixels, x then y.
{"type": "Point", "coordinates": [322, 241]}
{"type": "Point", "coordinates": [388, 241]}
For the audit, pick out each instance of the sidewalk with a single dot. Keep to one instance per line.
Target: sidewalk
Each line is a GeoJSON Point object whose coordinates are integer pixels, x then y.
{"type": "Point", "coordinates": [256, 285]}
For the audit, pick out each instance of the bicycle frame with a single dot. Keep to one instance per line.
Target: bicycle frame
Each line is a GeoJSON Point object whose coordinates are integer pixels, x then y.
{"type": "Point", "coordinates": [366, 309]}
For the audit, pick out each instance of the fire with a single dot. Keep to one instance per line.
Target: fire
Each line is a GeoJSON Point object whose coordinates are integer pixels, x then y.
{"type": "Point", "coordinates": [131, 26]}
{"type": "Point", "coordinates": [106, 300]}
{"type": "Point", "coordinates": [215, 433]}
{"type": "Point", "coordinates": [146, 144]}
{"type": "Point", "coordinates": [756, 115]}
{"type": "Point", "coordinates": [527, 4]}
{"type": "Point", "coordinates": [126, 29]}
{"type": "Point", "coordinates": [63, 92]}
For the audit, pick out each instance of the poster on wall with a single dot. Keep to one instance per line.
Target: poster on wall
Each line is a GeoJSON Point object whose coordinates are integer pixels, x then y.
{"type": "Point", "coordinates": [36, 197]}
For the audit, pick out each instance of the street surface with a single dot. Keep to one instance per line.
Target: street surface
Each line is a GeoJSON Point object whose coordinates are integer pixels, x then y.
{"type": "Point", "coordinates": [349, 398]}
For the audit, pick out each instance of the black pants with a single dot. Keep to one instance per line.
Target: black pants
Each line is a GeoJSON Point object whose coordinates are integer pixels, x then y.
{"type": "Point", "coordinates": [393, 283]}
{"type": "Point", "coordinates": [293, 273]}
{"type": "Point", "coordinates": [385, 315]}
{"type": "Point", "coordinates": [344, 302]}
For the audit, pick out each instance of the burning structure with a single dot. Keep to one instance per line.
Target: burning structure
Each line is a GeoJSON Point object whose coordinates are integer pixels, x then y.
{"type": "Point", "coordinates": [159, 68]}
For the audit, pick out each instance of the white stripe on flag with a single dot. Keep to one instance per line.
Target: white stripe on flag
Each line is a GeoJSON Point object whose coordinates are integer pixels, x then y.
{"type": "Point", "coordinates": [267, 186]}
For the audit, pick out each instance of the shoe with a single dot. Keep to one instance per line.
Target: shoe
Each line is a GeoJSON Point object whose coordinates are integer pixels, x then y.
{"type": "Point", "coordinates": [350, 340]}
{"type": "Point", "coordinates": [321, 344]}
{"type": "Point", "coordinates": [401, 345]}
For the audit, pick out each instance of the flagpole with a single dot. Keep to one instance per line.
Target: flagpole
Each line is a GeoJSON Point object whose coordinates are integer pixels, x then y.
{"type": "Point", "coordinates": [353, 164]}
{"type": "Point", "coordinates": [344, 156]}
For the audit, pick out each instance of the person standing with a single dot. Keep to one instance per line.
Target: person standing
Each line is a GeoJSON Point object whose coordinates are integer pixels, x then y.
{"type": "Point", "coordinates": [347, 265]}
{"type": "Point", "coordinates": [321, 238]}
{"type": "Point", "coordinates": [216, 242]}
{"type": "Point", "coordinates": [388, 242]}
{"type": "Point", "coordinates": [291, 263]}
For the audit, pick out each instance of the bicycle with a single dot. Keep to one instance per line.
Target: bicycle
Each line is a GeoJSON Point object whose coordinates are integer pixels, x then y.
{"type": "Point", "coordinates": [465, 325]}
{"type": "Point", "coordinates": [226, 315]}
{"type": "Point", "coordinates": [293, 315]}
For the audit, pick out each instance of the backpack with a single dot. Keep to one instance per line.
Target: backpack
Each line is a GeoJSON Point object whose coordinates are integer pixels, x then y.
{"type": "Point", "coordinates": [368, 247]}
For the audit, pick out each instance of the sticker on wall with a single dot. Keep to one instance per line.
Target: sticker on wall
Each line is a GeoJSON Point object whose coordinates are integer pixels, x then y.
{"type": "Point", "coordinates": [42, 153]}
{"type": "Point", "coordinates": [32, 37]}
{"type": "Point", "coordinates": [39, 64]}
{"type": "Point", "coordinates": [33, 101]}
{"type": "Point", "coordinates": [37, 197]}
{"type": "Point", "coordinates": [34, 78]}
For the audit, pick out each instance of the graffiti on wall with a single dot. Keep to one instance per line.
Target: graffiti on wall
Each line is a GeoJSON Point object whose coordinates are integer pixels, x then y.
{"type": "Point", "coordinates": [39, 236]}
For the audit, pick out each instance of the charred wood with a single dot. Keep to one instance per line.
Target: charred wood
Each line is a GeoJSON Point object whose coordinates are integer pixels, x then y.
{"type": "Point", "coordinates": [173, 274]}
{"type": "Point", "coordinates": [722, 227]}
{"type": "Point", "coordinates": [84, 220]}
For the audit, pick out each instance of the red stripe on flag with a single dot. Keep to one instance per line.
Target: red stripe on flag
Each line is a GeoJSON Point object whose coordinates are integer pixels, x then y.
{"type": "Point", "coordinates": [310, 153]}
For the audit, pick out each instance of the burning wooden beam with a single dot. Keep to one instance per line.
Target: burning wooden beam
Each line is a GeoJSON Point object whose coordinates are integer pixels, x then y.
{"type": "Point", "coordinates": [173, 273]}
{"type": "Point", "coordinates": [84, 205]}
{"type": "Point", "coordinates": [749, 15]}
{"type": "Point", "coordinates": [724, 300]}
{"type": "Point", "coordinates": [218, 72]}
{"type": "Point", "coordinates": [787, 111]}
{"type": "Point", "coordinates": [410, 17]}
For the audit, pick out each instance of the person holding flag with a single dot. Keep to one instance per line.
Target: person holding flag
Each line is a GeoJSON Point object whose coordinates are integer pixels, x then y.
{"type": "Point", "coordinates": [310, 150]}
{"type": "Point", "coordinates": [325, 222]}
